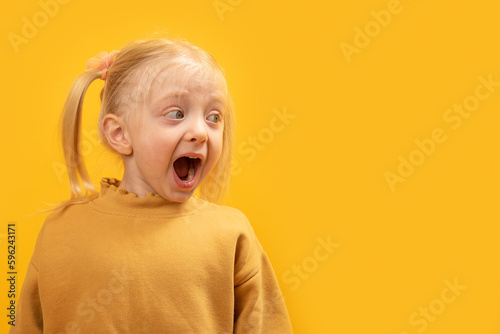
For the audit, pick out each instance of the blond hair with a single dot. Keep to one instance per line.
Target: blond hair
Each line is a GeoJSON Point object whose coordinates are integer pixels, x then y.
{"type": "Point", "coordinates": [128, 82]}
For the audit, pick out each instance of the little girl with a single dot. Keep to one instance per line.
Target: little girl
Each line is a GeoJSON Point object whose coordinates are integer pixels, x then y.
{"type": "Point", "coordinates": [144, 254]}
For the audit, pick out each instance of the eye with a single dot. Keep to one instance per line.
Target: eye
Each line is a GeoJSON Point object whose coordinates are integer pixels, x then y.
{"type": "Point", "coordinates": [215, 118]}
{"type": "Point", "coordinates": [175, 114]}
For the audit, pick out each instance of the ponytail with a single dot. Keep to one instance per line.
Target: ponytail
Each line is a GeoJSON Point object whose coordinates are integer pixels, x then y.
{"type": "Point", "coordinates": [82, 187]}
{"type": "Point", "coordinates": [71, 133]}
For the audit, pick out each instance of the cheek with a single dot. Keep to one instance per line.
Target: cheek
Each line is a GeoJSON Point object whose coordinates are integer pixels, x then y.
{"type": "Point", "coordinates": [214, 151]}
{"type": "Point", "coordinates": [217, 146]}
{"type": "Point", "coordinates": [155, 150]}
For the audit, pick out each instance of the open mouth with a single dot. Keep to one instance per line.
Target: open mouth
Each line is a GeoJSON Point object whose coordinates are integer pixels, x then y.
{"type": "Point", "coordinates": [186, 168]}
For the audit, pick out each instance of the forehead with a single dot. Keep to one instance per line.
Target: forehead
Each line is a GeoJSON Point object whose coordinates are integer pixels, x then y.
{"type": "Point", "coordinates": [182, 80]}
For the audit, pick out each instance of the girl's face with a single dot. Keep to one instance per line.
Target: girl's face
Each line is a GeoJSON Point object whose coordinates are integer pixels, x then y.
{"type": "Point", "coordinates": [176, 138]}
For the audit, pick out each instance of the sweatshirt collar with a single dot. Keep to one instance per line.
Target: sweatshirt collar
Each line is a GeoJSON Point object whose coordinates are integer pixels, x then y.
{"type": "Point", "coordinates": [115, 200]}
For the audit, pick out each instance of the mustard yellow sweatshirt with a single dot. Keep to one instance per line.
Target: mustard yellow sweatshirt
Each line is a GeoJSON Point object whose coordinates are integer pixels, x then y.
{"type": "Point", "coordinates": [123, 264]}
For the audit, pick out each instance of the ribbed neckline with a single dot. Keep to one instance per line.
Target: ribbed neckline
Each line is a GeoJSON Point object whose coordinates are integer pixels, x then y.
{"type": "Point", "coordinates": [118, 201]}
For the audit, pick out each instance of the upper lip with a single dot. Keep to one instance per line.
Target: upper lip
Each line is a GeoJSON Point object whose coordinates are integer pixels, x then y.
{"type": "Point", "coordinates": [191, 155]}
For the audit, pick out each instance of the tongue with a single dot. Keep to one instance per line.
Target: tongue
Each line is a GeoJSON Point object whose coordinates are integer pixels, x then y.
{"type": "Point", "coordinates": [181, 166]}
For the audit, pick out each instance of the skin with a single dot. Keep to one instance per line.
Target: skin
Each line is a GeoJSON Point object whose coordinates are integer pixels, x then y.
{"type": "Point", "coordinates": [175, 120]}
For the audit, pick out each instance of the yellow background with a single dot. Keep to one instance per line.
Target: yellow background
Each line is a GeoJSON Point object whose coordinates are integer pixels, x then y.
{"type": "Point", "coordinates": [321, 175]}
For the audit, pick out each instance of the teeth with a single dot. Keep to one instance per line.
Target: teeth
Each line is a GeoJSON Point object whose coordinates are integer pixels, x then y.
{"type": "Point", "coordinates": [190, 175]}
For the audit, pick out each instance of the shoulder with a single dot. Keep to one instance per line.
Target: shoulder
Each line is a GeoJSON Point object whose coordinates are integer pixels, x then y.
{"type": "Point", "coordinates": [54, 223]}
{"type": "Point", "coordinates": [64, 222]}
{"type": "Point", "coordinates": [230, 217]}
{"type": "Point", "coordinates": [228, 211]}
{"type": "Point", "coordinates": [67, 213]}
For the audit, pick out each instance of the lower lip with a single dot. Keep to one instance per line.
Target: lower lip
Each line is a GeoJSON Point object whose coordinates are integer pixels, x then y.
{"type": "Point", "coordinates": [186, 184]}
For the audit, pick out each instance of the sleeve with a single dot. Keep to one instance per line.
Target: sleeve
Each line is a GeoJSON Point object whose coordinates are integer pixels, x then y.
{"type": "Point", "coordinates": [259, 306]}
{"type": "Point", "coordinates": [29, 312]}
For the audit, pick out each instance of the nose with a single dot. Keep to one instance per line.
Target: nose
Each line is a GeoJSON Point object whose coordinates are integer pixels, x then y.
{"type": "Point", "coordinates": [197, 131]}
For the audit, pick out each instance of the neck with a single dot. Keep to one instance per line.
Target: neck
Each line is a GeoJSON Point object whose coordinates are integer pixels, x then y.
{"type": "Point", "coordinates": [131, 182]}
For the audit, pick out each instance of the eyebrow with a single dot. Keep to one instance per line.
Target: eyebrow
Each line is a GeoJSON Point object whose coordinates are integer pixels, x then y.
{"type": "Point", "coordinates": [218, 98]}
{"type": "Point", "coordinates": [174, 94]}
{"type": "Point", "coordinates": [179, 94]}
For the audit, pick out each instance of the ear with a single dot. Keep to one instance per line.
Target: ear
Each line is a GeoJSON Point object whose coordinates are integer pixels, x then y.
{"type": "Point", "coordinates": [117, 134]}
